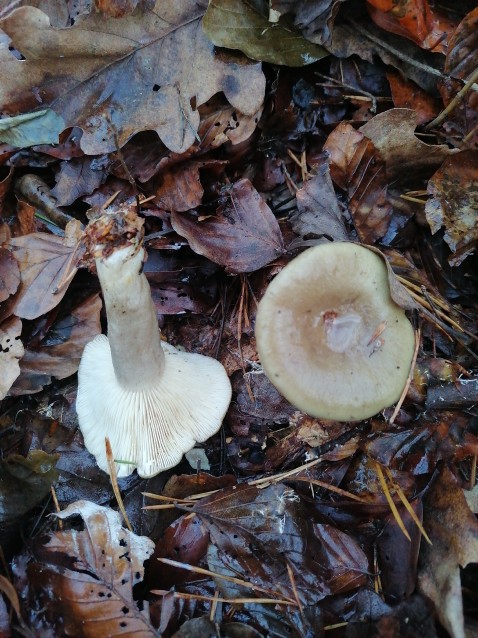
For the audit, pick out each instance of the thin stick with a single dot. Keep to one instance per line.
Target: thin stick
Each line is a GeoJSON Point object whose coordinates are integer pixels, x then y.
{"type": "Point", "coordinates": [114, 482]}
{"type": "Point", "coordinates": [229, 579]}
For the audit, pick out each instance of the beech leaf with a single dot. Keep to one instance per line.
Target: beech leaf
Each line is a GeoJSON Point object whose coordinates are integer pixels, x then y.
{"type": "Point", "coordinates": [45, 263]}
{"type": "Point", "coordinates": [85, 578]}
{"type": "Point", "coordinates": [259, 532]}
{"type": "Point", "coordinates": [144, 71]}
{"type": "Point", "coordinates": [236, 24]}
{"type": "Point", "coordinates": [243, 237]}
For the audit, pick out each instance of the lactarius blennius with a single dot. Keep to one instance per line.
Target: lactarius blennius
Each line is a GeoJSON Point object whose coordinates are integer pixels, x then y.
{"type": "Point", "coordinates": [151, 400]}
{"type": "Point", "coordinates": [330, 337]}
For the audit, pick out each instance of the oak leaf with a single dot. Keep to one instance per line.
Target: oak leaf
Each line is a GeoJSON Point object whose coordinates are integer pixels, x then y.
{"type": "Point", "coordinates": [114, 77]}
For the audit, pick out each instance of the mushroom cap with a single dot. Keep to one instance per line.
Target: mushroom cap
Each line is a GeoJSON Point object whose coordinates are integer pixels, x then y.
{"type": "Point", "coordinates": [331, 338]}
{"type": "Point", "coordinates": [149, 429]}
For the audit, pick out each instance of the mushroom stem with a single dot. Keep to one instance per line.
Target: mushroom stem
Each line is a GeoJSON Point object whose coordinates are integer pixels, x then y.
{"type": "Point", "coordinates": [133, 334]}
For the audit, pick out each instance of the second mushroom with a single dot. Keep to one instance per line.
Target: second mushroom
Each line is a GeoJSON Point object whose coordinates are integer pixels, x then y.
{"type": "Point", "coordinates": [331, 338]}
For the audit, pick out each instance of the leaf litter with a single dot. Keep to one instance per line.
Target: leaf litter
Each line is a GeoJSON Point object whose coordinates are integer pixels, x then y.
{"type": "Point", "coordinates": [348, 121]}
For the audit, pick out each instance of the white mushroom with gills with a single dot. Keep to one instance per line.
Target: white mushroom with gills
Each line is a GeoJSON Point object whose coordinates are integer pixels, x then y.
{"type": "Point", "coordinates": [329, 335]}
{"type": "Point", "coordinates": [152, 401]}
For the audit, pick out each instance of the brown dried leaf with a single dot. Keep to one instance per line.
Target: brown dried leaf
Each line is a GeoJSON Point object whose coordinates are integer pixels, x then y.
{"type": "Point", "coordinates": [78, 177]}
{"type": "Point", "coordinates": [259, 532]}
{"type": "Point", "coordinates": [58, 354]}
{"type": "Point", "coordinates": [393, 134]}
{"type": "Point", "coordinates": [319, 212]}
{"type": "Point", "coordinates": [454, 202]}
{"type": "Point", "coordinates": [85, 578]}
{"type": "Point", "coordinates": [179, 188]}
{"type": "Point", "coordinates": [11, 350]}
{"type": "Point", "coordinates": [9, 274]}
{"type": "Point", "coordinates": [357, 167]}
{"type": "Point", "coordinates": [244, 236]}
{"type": "Point", "coordinates": [45, 262]}
{"type": "Point", "coordinates": [119, 8]}
{"type": "Point", "coordinates": [408, 95]}
{"type": "Point", "coordinates": [453, 530]}
{"type": "Point", "coordinates": [415, 20]}
{"type": "Point", "coordinates": [150, 71]}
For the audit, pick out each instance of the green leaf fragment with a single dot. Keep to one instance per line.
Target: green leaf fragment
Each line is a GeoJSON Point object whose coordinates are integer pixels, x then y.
{"type": "Point", "coordinates": [29, 129]}
{"type": "Point", "coordinates": [236, 24]}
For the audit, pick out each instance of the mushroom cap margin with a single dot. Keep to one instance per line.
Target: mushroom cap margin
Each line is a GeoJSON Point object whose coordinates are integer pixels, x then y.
{"type": "Point", "coordinates": [149, 430]}
{"type": "Point", "coordinates": [362, 379]}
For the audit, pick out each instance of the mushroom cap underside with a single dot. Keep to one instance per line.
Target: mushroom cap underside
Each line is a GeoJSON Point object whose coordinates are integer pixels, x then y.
{"type": "Point", "coordinates": [151, 429]}
{"type": "Point", "coordinates": [329, 335]}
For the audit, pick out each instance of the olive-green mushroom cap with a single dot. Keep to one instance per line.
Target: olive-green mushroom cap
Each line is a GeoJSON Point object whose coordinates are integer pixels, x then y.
{"type": "Point", "coordinates": [330, 337]}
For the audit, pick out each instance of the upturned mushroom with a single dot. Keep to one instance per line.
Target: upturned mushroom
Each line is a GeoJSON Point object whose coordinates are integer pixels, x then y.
{"type": "Point", "coordinates": [329, 335]}
{"type": "Point", "coordinates": [152, 401]}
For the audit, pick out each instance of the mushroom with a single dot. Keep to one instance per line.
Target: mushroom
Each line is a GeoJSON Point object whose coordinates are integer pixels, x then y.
{"type": "Point", "coordinates": [152, 401]}
{"type": "Point", "coordinates": [329, 335]}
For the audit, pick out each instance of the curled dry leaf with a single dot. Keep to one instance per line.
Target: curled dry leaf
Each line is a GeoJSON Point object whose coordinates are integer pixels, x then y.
{"type": "Point", "coordinates": [357, 167]}
{"type": "Point", "coordinates": [11, 350]}
{"type": "Point", "coordinates": [393, 134]}
{"type": "Point", "coordinates": [454, 202]}
{"type": "Point", "coordinates": [244, 236]}
{"type": "Point", "coordinates": [140, 78]}
{"type": "Point", "coordinates": [85, 578]}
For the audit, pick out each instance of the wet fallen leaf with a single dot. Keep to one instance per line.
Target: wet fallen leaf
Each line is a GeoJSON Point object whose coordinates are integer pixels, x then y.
{"type": "Point", "coordinates": [357, 167]}
{"type": "Point", "coordinates": [413, 19]}
{"type": "Point", "coordinates": [9, 274]}
{"type": "Point", "coordinates": [454, 203]}
{"type": "Point", "coordinates": [11, 350]}
{"type": "Point", "coordinates": [315, 20]}
{"type": "Point", "coordinates": [45, 262]}
{"type": "Point", "coordinates": [58, 354]}
{"type": "Point", "coordinates": [84, 578]}
{"type": "Point", "coordinates": [79, 177]}
{"type": "Point", "coordinates": [319, 213]}
{"type": "Point", "coordinates": [258, 532]}
{"type": "Point", "coordinates": [453, 530]}
{"type": "Point", "coordinates": [244, 235]}
{"type": "Point", "coordinates": [32, 477]}
{"type": "Point", "coordinates": [29, 129]}
{"type": "Point", "coordinates": [406, 156]}
{"type": "Point", "coordinates": [119, 90]}
{"type": "Point", "coordinates": [236, 24]}
{"type": "Point", "coordinates": [407, 94]}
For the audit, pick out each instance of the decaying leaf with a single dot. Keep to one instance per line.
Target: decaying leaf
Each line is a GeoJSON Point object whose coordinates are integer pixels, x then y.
{"type": "Point", "coordinates": [85, 578]}
{"type": "Point", "coordinates": [357, 167]}
{"type": "Point", "coordinates": [244, 235]}
{"type": "Point", "coordinates": [9, 274]}
{"type": "Point", "coordinates": [46, 263]}
{"type": "Point", "coordinates": [59, 352]}
{"type": "Point", "coordinates": [149, 71]}
{"type": "Point", "coordinates": [453, 530]}
{"type": "Point", "coordinates": [236, 24]}
{"type": "Point", "coordinates": [454, 203]}
{"type": "Point", "coordinates": [319, 212]}
{"type": "Point", "coordinates": [30, 476]}
{"type": "Point", "coordinates": [11, 350]}
{"type": "Point", "coordinates": [258, 532]}
{"type": "Point", "coordinates": [314, 19]}
{"type": "Point", "coordinates": [393, 134]}
{"type": "Point", "coordinates": [418, 21]}
{"type": "Point", "coordinates": [39, 127]}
